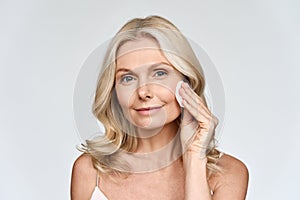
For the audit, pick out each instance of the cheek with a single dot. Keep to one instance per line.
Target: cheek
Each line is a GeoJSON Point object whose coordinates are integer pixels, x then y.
{"type": "Point", "coordinates": [168, 97]}
{"type": "Point", "coordinates": [123, 96]}
{"type": "Point", "coordinates": [123, 99]}
{"type": "Point", "coordinates": [166, 90]}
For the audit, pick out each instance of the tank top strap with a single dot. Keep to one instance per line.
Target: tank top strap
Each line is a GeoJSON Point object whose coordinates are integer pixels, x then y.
{"type": "Point", "coordinates": [97, 193]}
{"type": "Point", "coordinates": [97, 179]}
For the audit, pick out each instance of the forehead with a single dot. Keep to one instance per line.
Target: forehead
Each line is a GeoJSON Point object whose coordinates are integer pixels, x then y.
{"type": "Point", "coordinates": [142, 52]}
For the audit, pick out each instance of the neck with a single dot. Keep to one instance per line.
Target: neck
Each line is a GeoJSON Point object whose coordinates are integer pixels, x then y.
{"type": "Point", "coordinates": [158, 139]}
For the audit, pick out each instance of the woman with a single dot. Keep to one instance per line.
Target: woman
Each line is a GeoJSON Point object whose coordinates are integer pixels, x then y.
{"type": "Point", "coordinates": [156, 146]}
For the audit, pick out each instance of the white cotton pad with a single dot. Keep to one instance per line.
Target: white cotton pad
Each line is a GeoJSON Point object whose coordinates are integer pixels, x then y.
{"type": "Point", "coordinates": [177, 95]}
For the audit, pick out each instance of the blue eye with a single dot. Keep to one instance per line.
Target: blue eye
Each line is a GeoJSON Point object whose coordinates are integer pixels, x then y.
{"type": "Point", "coordinates": [126, 79]}
{"type": "Point", "coordinates": [160, 73]}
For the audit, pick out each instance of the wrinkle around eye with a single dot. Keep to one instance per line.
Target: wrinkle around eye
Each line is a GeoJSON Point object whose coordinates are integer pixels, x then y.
{"type": "Point", "coordinates": [126, 79]}
{"type": "Point", "coordinates": [156, 74]}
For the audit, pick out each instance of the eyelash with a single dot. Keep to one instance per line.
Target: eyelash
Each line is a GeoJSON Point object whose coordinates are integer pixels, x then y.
{"type": "Point", "coordinates": [123, 78]}
{"type": "Point", "coordinates": [158, 73]}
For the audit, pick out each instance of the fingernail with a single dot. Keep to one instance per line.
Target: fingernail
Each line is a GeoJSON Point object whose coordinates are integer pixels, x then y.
{"type": "Point", "coordinates": [186, 85]}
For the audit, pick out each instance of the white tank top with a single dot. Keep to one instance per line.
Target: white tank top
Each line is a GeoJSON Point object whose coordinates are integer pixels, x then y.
{"type": "Point", "coordinates": [98, 194]}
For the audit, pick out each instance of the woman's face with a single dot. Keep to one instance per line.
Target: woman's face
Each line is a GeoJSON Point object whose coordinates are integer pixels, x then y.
{"type": "Point", "coordinates": [145, 84]}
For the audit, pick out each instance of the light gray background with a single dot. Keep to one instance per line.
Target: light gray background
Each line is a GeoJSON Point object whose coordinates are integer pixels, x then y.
{"type": "Point", "coordinates": [43, 43]}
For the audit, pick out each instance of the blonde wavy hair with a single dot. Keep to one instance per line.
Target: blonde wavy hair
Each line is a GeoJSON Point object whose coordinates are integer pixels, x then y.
{"type": "Point", "coordinates": [177, 50]}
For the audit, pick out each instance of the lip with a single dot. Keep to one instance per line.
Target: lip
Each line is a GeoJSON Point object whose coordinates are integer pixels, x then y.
{"type": "Point", "coordinates": [148, 110]}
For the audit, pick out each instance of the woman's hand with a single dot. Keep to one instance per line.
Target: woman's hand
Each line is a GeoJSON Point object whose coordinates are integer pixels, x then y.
{"type": "Point", "coordinates": [198, 123]}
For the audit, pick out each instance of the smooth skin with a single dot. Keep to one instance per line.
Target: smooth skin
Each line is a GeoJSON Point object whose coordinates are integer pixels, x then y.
{"type": "Point", "coordinates": [153, 88]}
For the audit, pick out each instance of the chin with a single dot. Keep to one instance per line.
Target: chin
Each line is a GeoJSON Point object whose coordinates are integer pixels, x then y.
{"type": "Point", "coordinates": [150, 124]}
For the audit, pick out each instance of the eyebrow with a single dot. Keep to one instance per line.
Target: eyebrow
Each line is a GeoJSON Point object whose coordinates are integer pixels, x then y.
{"type": "Point", "coordinates": [151, 67]}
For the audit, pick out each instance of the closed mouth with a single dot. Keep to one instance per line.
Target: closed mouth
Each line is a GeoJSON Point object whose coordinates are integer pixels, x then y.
{"type": "Point", "coordinates": [148, 108]}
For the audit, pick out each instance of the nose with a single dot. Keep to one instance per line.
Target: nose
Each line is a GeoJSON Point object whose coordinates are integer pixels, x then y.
{"type": "Point", "coordinates": [145, 92]}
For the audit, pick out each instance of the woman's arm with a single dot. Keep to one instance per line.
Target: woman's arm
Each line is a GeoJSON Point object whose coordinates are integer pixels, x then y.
{"type": "Point", "coordinates": [196, 185]}
{"type": "Point", "coordinates": [83, 178]}
{"type": "Point", "coordinates": [197, 131]}
{"type": "Point", "coordinates": [230, 184]}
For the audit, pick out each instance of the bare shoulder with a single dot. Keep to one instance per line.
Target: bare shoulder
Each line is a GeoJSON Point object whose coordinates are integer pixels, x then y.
{"type": "Point", "coordinates": [232, 165]}
{"type": "Point", "coordinates": [83, 179]}
{"type": "Point", "coordinates": [232, 182]}
{"type": "Point", "coordinates": [83, 164]}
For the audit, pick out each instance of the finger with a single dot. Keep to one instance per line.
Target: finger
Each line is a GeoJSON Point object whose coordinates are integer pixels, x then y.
{"type": "Point", "coordinates": [198, 104]}
{"type": "Point", "coordinates": [189, 119]}
{"type": "Point", "coordinates": [194, 96]}
{"type": "Point", "coordinates": [193, 105]}
{"type": "Point", "coordinates": [206, 123]}
{"type": "Point", "coordinates": [200, 117]}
